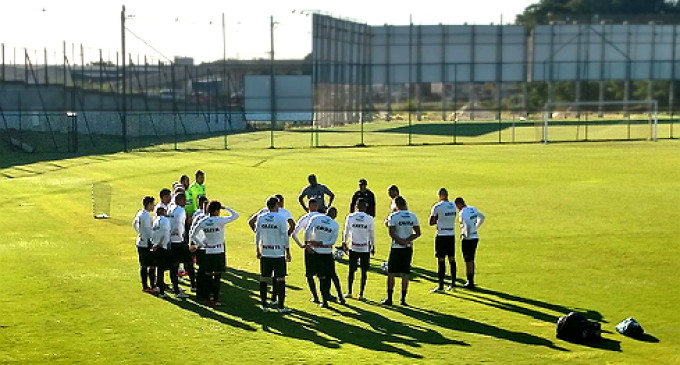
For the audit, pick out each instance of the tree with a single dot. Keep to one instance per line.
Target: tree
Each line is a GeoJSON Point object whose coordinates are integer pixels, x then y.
{"type": "Point", "coordinates": [546, 11]}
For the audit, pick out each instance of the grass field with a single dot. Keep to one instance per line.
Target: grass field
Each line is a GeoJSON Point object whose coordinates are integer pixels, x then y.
{"type": "Point", "coordinates": [587, 227]}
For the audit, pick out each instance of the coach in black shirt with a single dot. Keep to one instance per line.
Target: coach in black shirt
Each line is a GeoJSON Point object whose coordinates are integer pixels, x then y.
{"type": "Point", "coordinates": [365, 194]}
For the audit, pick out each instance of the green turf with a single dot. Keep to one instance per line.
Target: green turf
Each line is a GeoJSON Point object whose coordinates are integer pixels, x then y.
{"type": "Point", "coordinates": [588, 227]}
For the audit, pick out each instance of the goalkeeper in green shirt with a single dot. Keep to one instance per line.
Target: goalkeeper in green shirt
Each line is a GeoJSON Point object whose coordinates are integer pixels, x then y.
{"type": "Point", "coordinates": [196, 190]}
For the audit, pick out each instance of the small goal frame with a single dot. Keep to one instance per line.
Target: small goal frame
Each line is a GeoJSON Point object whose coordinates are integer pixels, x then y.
{"type": "Point", "coordinates": [549, 107]}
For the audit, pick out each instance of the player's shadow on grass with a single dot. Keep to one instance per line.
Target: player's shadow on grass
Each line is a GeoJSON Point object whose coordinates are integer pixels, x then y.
{"type": "Point", "coordinates": [241, 309]}
{"type": "Point", "coordinates": [508, 302]}
{"type": "Point", "coordinates": [470, 326]}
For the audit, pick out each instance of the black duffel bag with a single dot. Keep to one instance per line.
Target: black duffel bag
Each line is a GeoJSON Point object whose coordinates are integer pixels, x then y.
{"type": "Point", "coordinates": [575, 327]}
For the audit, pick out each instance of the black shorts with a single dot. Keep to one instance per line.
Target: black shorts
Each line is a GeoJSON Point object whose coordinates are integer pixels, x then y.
{"type": "Point", "coordinates": [359, 259]}
{"type": "Point", "coordinates": [200, 254]}
{"type": "Point", "coordinates": [325, 265]}
{"type": "Point", "coordinates": [399, 261]}
{"type": "Point", "coordinates": [444, 246]}
{"type": "Point", "coordinates": [310, 264]}
{"type": "Point", "coordinates": [163, 258]}
{"type": "Point", "coordinates": [215, 262]}
{"type": "Point", "coordinates": [275, 266]}
{"type": "Point", "coordinates": [469, 249]}
{"type": "Point", "coordinates": [145, 256]}
{"type": "Point", "coordinates": [180, 252]}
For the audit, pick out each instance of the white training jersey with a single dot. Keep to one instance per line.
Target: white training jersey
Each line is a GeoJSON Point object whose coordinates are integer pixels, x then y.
{"type": "Point", "coordinates": [445, 211]}
{"type": "Point", "coordinates": [271, 234]}
{"type": "Point", "coordinates": [178, 217]}
{"type": "Point", "coordinates": [161, 232]}
{"type": "Point", "coordinates": [160, 205]}
{"type": "Point", "coordinates": [143, 224]}
{"type": "Point", "coordinates": [283, 211]}
{"type": "Point", "coordinates": [303, 222]}
{"type": "Point", "coordinates": [325, 230]}
{"type": "Point", "coordinates": [213, 230]}
{"type": "Point", "coordinates": [470, 220]}
{"type": "Point", "coordinates": [197, 217]}
{"type": "Point", "coordinates": [403, 221]}
{"type": "Point", "coordinates": [198, 213]}
{"type": "Point", "coordinates": [359, 232]}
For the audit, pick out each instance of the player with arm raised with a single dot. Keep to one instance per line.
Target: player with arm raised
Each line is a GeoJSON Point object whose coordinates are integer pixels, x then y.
{"type": "Point", "coordinates": [443, 215]}
{"type": "Point", "coordinates": [315, 191]}
{"type": "Point", "coordinates": [470, 220]}
{"type": "Point", "coordinates": [273, 251]}
{"type": "Point", "coordinates": [281, 210]}
{"type": "Point", "coordinates": [322, 233]}
{"type": "Point", "coordinates": [404, 229]}
{"type": "Point", "coordinates": [310, 267]}
{"type": "Point", "coordinates": [209, 235]}
{"type": "Point", "coordinates": [143, 225]}
{"type": "Point", "coordinates": [359, 239]}
{"type": "Point", "coordinates": [160, 239]}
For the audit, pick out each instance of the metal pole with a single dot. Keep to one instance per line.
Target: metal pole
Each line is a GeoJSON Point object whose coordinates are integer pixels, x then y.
{"type": "Point", "coordinates": [123, 116]}
{"type": "Point", "coordinates": [671, 84]}
{"type": "Point", "coordinates": [3, 61]}
{"type": "Point", "coordinates": [272, 86]}
{"type": "Point", "coordinates": [601, 83]}
{"type": "Point", "coordinates": [101, 73]}
{"type": "Point", "coordinates": [47, 78]}
{"type": "Point", "coordinates": [225, 81]}
{"type": "Point", "coordinates": [410, 78]}
{"type": "Point", "coordinates": [82, 66]}
{"type": "Point", "coordinates": [499, 78]}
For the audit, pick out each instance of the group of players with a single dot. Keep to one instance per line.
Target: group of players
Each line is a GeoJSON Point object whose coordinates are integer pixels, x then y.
{"type": "Point", "coordinates": [188, 229]}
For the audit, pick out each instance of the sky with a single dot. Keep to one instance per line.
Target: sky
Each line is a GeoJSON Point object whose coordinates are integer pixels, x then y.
{"type": "Point", "coordinates": [161, 30]}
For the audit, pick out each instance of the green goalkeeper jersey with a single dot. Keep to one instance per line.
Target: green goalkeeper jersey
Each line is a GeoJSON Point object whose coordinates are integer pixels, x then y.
{"type": "Point", "coordinates": [194, 191]}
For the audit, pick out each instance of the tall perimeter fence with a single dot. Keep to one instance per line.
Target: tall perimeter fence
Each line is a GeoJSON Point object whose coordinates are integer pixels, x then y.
{"type": "Point", "coordinates": [361, 85]}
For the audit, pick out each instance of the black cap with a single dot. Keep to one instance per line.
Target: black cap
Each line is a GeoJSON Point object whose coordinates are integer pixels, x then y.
{"type": "Point", "coordinates": [363, 182]}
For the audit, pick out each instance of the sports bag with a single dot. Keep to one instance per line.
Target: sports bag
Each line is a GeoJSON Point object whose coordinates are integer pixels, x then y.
{"type": "Point", "coordinates": [575, 327]}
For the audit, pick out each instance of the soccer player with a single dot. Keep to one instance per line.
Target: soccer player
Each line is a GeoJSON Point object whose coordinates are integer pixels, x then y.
{"type": "Point", "coordinates": [198, 216]}
{"type": "Point", "coordinates": [209, 235]}
{"type": "Point", "coordinates": [179, 247]}
{"type": "Point", "coordinates": [315, 191]}
{"type": "Point", "coordinates": [160, 239]}
{"type": "Point", "coordinates": [166, 198]}
{"type": "Point", "coordinates": [272, 246]}
{"type": "Point", "coordinates": [359, 239]}
{"type": "Point", "coordinates": [143, 225]}
{"type": "Point", "coordinates": [470, 220]}
{"type": "Point", "coordinates": [365, 194]}
{"type": "Point", "coordinates": [184, 180]}
{"type": "Point", "coordinates": [322, 232]}
{"type": "Point", "coordinates": [393, 193]}
{"type": "Point", "coordinates": [443, 215]}
{"type": "Point", "coordinates": [310, 256]}
{"type": "Point", "coordinates": [289, 219]}
{"type": "Point", "coordinates": [194, 191]}
{"type": "Point", "coordinates": [404, 229]}
{"type": "Point", "coordinates": [281, 210]}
